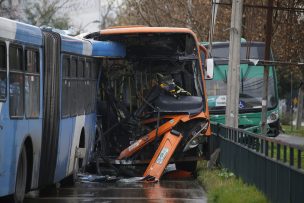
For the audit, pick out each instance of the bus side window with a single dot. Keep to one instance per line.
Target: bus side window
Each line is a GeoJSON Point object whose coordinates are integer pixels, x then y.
{"type": "Point", "coordinates": [73, 93]}
{"type": "Point", "coordinates": [3, 67]}
{"type": "Point", "coordinates": [88, 83]}
{"type": "Point", "coordinates": [66, 86]}
{"type": "Point", "coordinates": [16, 81]}
{"type": "Point", "coordinates": [32, 84]}
{"type": "Point", "coordinates": [80, 68]}
{"type": "Point", "coordinates": [80, 86]}
{"type": "Point", "coordinates": [94, 75]}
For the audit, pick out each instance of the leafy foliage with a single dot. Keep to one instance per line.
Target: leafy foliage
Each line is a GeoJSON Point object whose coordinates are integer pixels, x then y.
{"type": "Point", "coordinates": [225, 173]}
{"type": "Point", "coordinates": [47, 13]}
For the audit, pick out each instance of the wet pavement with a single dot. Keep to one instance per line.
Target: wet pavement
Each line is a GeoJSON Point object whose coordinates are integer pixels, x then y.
{"type": "Point", "coordinates": [164, 191]}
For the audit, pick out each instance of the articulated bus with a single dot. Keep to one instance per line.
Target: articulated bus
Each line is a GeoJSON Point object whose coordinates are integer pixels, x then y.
{"type": "Point", "coordinates": [47, 105]}
{"type": "Point", "coordinates": [251, 87]}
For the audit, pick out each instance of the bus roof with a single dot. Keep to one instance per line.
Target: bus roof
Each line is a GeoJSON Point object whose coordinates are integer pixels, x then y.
{"type": "Point", "coordinates": [108, 49]}
{"type": "Point", "coordinates": [125, 30]}
{"type": "Point", "coordinates": [143, 41]}
{"type": "Point", "coordinates": [21, 32]}
{"type": "Point", "coordinates": [74, 45]}
{"type": "Point", "coordinates": [143, 29]}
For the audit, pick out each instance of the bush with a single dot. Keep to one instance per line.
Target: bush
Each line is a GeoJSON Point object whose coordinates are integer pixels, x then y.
{"type": "Point", "coordinates": [223, 187]}
{"type": "Point", "coordinates": [285, 118]}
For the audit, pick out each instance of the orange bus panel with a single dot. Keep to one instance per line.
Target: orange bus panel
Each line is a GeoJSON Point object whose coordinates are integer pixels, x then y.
{"type": "Point", "coordinates": [163, 154]}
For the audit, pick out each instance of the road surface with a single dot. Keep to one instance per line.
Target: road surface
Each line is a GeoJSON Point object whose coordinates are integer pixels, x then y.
{"type": "Point", "coordinates": [165, 191]}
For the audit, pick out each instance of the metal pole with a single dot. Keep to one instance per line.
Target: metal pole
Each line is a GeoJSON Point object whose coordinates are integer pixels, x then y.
{"type": "Point", "coordinates": [233, 82]}
{"type": "Point", "coordinates": [300, 106]}
{"type": "Point", "coordinates": [291, 102]}
{"type": "Point", "coordinates": [266, 68]}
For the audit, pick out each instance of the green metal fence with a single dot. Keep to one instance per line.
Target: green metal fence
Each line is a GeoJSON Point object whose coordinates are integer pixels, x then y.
{"type": "Point", "coordinates": [275, 167]}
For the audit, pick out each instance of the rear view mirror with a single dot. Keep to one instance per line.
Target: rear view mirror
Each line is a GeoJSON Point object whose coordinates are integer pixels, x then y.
{"type": "Point", "coordinates": [210, 67]}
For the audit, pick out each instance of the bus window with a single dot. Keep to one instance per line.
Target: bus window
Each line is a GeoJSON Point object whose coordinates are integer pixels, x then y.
{"type": "Point", "coordinates": [88, 83]}
{"type": "Point", "coordinates": [32, 84]}
{"type": "Point", "coordinates": [94, 71]}
{"type": "Point", "coordinates": [80, 86]}
{"type": "Point", "coordinates": [87, 69]}
{"type": "Point", "coordinates": [2, 71]}
{"type": "Point", "coordinates": [73, 67]}
{"type": "Point", "coordinates": [94, 75]}
{"type": "Point", "coordinates": [16, 81]}
{"type": "Point", "coordinates": [65, 98]}
{"type": "Point", "coordinates": [80, 68]}
{"type": "Point", "coordinates": [73, 88]}
{"type": "Point", "coordinates": [66, 67]}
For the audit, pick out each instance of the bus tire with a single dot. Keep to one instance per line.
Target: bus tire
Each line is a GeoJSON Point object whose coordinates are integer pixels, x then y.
{"type": "Point", "coordinates": [21, 176]}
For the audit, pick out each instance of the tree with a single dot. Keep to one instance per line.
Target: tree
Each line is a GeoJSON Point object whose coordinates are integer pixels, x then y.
{"type": "Point", "coordinates": [108, 13]}
{"type": "Point", "coordinates": [8, 10]}
{"type": "Point", "coordinates": [48, 13]}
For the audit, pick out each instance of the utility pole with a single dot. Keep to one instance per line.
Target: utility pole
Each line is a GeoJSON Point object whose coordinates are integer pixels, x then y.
{"type": "Point", "coordinates": [300, 106]}
{"type": "Point", "coordinates": [291, 102]}
{"type": "Point", "coordinates": [233, 80]}
{"type": "Point", "coordinates": [266, 68]}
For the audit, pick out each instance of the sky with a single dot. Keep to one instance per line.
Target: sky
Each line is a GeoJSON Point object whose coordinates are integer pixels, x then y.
{"type": "Point", "coordinates": [86, 14]}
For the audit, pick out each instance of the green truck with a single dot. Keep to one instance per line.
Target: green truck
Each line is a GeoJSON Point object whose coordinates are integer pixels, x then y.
{"type": "Point", "coordinates": [251, 87]}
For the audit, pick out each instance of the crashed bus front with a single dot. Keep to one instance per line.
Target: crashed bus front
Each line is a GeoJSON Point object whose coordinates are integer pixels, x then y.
{"type": "Point", "coordinates": [152, 103]}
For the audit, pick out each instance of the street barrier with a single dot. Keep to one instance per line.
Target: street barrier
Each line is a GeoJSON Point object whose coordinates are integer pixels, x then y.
{"type": "Point", "coordinates": [273, 166]}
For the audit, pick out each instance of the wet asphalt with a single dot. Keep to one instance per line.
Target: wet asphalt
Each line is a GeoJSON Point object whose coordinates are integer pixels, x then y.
{"type": "Point", "coordinates": [165, 191]}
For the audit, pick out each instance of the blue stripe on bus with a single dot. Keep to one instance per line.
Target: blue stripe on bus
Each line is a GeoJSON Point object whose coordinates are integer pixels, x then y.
{"type": "Point", "coordinates": [108, 49]}
{"type": "Point", "coordinates": [72, 45]}
{"type": "Point", "coordinates": [28, 34]}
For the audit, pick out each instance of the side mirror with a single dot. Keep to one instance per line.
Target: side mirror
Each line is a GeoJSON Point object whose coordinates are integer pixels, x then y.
{"type": "Point", "coordinates": [210, 67]}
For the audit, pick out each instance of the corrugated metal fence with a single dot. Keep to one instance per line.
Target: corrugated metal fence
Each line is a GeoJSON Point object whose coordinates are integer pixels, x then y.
{"type": "Point", "coordinates": [275, 167]}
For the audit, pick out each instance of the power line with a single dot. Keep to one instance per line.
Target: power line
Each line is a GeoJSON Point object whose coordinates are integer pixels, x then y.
{"type": "Point", "coordinates": [262, 62]}
{"type": "Point", "coordinates": [300, 10]}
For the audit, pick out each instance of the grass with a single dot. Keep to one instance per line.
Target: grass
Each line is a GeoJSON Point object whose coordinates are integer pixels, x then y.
{"type": "Point", "coordinates": [287, 129]}
{"type": "Point", "coordinates": [223, 187]}
{"type": "Point", "coordinates": [295, 155]}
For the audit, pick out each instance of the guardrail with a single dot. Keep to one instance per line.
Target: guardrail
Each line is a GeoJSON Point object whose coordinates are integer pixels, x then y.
{"type": "Point", "coordinates": [275, 167]}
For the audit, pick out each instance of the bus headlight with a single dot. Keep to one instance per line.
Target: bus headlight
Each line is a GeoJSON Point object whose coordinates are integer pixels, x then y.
{"type": "Point", "coordinates": [273, 117]}
{"type": "Point", "coordinates": [195, 140]}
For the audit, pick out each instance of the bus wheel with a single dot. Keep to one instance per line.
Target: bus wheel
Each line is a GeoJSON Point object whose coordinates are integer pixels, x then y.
{"type": "Point", "coordinates": [21, 177]}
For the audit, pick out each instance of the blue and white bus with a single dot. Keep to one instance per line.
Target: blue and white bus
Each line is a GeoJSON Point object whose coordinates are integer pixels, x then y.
{"type": "Point", "coordinates": [47, 104]}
